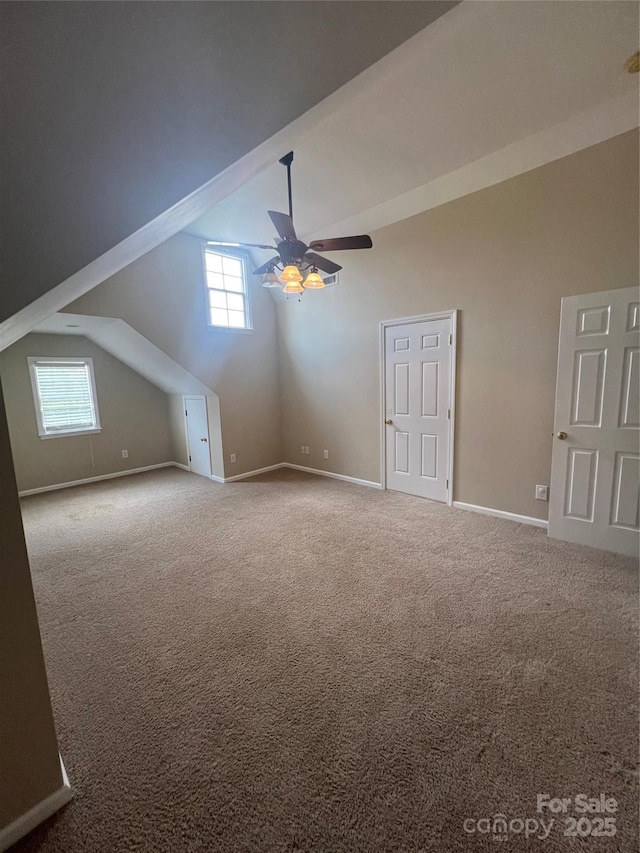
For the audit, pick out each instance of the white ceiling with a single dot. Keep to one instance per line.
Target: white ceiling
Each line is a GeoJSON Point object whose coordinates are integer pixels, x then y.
{"type": "Point", "coordinates": [489, 90]}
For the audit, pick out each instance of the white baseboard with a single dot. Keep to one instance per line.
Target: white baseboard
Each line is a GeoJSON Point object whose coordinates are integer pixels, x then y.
{"type": "Point", "coordinates": [248, 474]}
{"type": "Point", "coordinates": [497, 513]}
{"type": "Point", "coordinates": [344, 477]}
{"type": "Point", "coordinates": [297, 468]}
{"type": "Point", "coordinates": [500, 513]}
{"type": "Point", "coordinates": [36, 815]}
{"type": "Point", "coordinates": [71, 483]}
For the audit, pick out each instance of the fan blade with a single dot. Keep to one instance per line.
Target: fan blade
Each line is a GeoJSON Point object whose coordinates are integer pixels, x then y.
{"type": "Point", "coordinates": [322, 263]}
{"type": "Point", "coordinates": [284, 224]}
{"type": "Point", "coordinates": [239, 245]}
{"type": "Point", "coordinates": [337, 243]}
{"type": "Point", "coordinates": [266, 267]}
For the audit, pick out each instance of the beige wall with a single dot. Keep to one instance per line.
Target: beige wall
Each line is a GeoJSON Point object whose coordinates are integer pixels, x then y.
{"type": "Point", "coordinates": [133, 413]}
{"type": "Point", "coordinates": [504, 257]}
{"type": "Point", "coordinates": [28, 746]}
{"type": "Point", "coordinates": [162, 296]}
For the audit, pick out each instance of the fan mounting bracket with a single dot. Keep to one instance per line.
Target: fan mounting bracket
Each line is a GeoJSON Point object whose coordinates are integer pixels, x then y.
{"type": "Point", "coordinates": [292, 251]}
{"type": "Point", "coordinates": [287, 160]}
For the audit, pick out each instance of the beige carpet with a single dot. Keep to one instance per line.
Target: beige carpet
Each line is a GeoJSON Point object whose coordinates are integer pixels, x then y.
{"type": "Point", "coordinates": [292, 663]}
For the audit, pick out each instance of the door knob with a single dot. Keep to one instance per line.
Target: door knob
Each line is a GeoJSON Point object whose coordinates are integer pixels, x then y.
{"type": "Point", "coordinates": [388, 422]}
{"type": "Point", "coordinates": [562, 436]}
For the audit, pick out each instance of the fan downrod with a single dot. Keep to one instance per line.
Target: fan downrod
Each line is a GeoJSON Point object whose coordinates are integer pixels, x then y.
{"type": "Point", "coordinates": [287, 160]}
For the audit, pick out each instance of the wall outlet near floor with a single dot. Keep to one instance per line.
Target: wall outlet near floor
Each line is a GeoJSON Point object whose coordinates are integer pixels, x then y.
{"type": "Point", "coordinates": [125, 454]}
{"type": "Point", "coordinates": [542, 493]}
{"type": "Point", "coordinates": [325, 453]}
{"type": "Point", "coordinates": [232, 458]}
{"type": "Point", "coordinates": [304, 450]}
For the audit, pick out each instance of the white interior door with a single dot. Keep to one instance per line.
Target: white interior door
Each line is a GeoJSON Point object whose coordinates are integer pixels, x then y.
{"type": "Point", "coordinates": [195, 409]}
{"type": "Point", "coordinates": [595, 470]}
{"type": "Point", "coordinates": [417, 432]}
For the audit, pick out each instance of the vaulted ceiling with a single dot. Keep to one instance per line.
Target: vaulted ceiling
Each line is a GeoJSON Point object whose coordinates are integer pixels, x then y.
{"type": "Point", "coordinates": [118, 110]}
{"type": "Point", "coordinates": [113, 112]}
{"type": "Point", "coordinates": [490, 90]}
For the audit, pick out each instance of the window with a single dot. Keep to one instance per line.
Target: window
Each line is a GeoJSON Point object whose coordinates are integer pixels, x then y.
{"type": "Point", "coordinates": [64, 392]}
{"type": "Point", "coordinates": [227, 298]}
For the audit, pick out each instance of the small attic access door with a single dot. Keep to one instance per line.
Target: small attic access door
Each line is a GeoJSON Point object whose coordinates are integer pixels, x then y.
{"type": "Point", "coordinates": [197, 430]}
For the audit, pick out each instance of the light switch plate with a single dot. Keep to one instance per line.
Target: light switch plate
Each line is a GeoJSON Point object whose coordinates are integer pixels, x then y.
{"type": "Point", "coordinates": [233, 457]}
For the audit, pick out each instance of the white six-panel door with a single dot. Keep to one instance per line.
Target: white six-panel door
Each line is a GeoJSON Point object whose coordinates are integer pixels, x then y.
{"type": "Point", "coordinates": [417, 403]}
{"type": "Point", "coordinates": [595, 470]}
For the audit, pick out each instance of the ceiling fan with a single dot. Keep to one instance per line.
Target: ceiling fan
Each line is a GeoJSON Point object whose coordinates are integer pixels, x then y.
{"type": "Point", "coordinates": [294, 258]}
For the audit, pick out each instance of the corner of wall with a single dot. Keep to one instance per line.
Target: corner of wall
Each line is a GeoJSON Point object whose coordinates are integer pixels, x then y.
{"type": "Point", "coordinates": [28, 749]}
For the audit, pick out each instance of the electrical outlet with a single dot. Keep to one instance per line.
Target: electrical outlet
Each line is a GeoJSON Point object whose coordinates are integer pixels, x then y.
{"type": "Point", "coordinates": [325, 453]}
{"type": "Point", "coordinates": [125, 454]}
{"type": "Point", "coordinates": [542, 493]}
{"type": "Point", "coordinates": [232, 458]}
{"type": "Point", "coordinates": [306, 450]}
{"type": "Point", "coordinates": [302, 449]}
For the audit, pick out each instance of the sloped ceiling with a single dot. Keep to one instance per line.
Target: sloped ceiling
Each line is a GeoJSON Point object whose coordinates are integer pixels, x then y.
{"type": "Point", "coordinates": [485, 92]}
{"type": "Point", "coordinates": [124, 343]}
{"type": "Point", "coordinates": [113, 112]}
{"type": "Point", "coordinates": [490, 90]}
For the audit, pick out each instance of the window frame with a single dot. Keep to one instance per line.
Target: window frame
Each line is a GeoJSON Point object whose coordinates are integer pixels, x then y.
{"type": "Point", "coordinates": [35, 360]}
{"type": "Point", "coordinates": [244, 259]}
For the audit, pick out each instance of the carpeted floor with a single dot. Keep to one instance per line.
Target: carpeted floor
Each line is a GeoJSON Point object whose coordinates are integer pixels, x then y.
{"type": "Point", "coordinates": [293, 663]}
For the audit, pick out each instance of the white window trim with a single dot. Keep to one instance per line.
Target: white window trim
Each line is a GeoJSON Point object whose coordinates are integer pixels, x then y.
{"type": "Point", "coordinates": [33, 360]}
{"type": "Point", "coordinates": [244, 258]}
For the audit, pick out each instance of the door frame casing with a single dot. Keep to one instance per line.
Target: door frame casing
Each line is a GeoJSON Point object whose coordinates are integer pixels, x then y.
{"type": "Point", "coordinates": [186, 397]}
{"type": "Point", "coordinates": [403, 321]}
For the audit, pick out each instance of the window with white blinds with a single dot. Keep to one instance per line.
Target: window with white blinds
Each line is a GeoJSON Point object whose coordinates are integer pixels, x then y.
{"type": "Point", "coordinates": [64, 394]}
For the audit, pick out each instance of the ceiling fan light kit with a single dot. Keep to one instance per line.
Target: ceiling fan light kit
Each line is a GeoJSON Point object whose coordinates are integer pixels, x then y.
{"type": "Point", "coordinates": [271, 280]}
{"type": "Point", "coordinates": [313, 281]}
{"type": "Point", "coordinates": [290, 274]}
{"type": "Point", "coordinates": [294, 258]}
